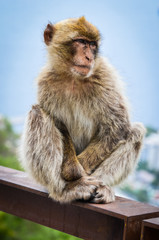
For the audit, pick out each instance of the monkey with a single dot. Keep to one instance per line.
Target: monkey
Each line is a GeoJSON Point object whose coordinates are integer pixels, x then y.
{"type": "Point", "coordinates": [78, 140]}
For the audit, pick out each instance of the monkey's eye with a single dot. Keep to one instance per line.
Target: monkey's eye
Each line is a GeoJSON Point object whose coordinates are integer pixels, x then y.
{"type": "Point", "coordinates": [83, 41]}
{"type": "Point", "coordinates": [93, 44]}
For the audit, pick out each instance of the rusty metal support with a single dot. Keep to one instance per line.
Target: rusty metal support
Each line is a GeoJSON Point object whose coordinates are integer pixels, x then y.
{"type": "Point", "coordinates": [150, 229]}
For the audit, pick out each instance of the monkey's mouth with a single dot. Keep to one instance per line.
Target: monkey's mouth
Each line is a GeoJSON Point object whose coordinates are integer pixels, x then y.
{"type": "Point", "coordinates": [82, 69]}
{"type": "Point", "coordinates": [82, 66]}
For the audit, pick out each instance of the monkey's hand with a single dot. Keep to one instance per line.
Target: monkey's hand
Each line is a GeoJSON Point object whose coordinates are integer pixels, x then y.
{"type": "Point", "coordinates": [83, 188]}
{"type": "Point", "coordinates": [104, 194]}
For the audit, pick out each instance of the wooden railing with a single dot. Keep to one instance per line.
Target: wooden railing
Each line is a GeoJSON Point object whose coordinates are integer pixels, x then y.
{"type": "Point", "coordinates": [123, 219]}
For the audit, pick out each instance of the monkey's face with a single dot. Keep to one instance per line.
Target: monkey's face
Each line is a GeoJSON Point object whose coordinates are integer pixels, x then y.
{"type": "Point", "coordinates": [72, 46]}
{"type": "Point", "coordinates": [84, 52]}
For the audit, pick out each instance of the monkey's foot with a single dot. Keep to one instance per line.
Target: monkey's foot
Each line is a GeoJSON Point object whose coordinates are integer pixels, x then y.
{"type": "Point", "coordinates": [104, 194]}
{"type": "Point", "coordinates": [84, 188]}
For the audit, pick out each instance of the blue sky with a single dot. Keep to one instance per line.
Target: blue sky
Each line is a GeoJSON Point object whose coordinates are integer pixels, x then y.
{"type": "Point", "coordinates": [130, 39]}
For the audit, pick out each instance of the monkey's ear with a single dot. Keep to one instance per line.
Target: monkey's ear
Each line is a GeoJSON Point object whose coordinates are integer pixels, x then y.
{"type": "Point", "coordinates": [48, 33]}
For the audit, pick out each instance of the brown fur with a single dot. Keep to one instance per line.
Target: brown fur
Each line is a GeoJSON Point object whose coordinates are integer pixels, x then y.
{"type": "Point", "coordinates": [81, 124]}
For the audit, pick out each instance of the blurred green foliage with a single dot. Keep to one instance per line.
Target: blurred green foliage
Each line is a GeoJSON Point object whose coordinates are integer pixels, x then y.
{"type": "Point", "coordinates": [11, 227]}
{"type": "Point", "coordinates": [7, 138]}
{"type": "Point", "coordinates": [150, 130]}
{"type": "Point", "coordinates": [8, 145]}
{"type": "Point", "coordinates": [143, 165]}
{"type": "Point", "coordinates": [14, 228]}
{"type": "Point", "coordinates": [11, 162]}
{"type": "Point", "coordinates": [140, 195]}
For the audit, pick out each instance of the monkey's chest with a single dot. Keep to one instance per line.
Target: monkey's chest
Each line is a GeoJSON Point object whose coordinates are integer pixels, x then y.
{"type": "Point", "coordinates": [80, 125]}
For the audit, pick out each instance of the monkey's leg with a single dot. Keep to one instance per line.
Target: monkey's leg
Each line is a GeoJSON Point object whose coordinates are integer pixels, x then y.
{"type": "Point", "coordinates": [121, 162]}
{"type": "Point", "coordinates": [42, 156]}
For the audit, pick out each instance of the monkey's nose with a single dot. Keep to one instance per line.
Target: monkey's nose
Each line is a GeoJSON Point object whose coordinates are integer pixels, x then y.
{"type": "Point", "coordinates": [89, 58]}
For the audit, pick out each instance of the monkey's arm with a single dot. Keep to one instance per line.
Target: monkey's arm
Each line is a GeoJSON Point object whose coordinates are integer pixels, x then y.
{"type": "Point", "coordinates": [71, 168]}
{"type": "Point", "coordinates": [95, 153]}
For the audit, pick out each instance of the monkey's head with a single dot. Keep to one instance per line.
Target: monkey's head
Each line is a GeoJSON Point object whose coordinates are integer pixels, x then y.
{"type": "Point", "coordinates": [72, 46]}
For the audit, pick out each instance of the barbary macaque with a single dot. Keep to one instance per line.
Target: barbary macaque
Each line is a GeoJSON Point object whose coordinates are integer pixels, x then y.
{"type": "Point", "coordinates": [78, 140]}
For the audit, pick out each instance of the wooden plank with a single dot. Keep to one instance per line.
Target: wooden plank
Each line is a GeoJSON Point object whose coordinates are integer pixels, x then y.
{"type": "Point", "coordinates": [150, 229]}
{"type": "Point", "coordinates": [20, 196]}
